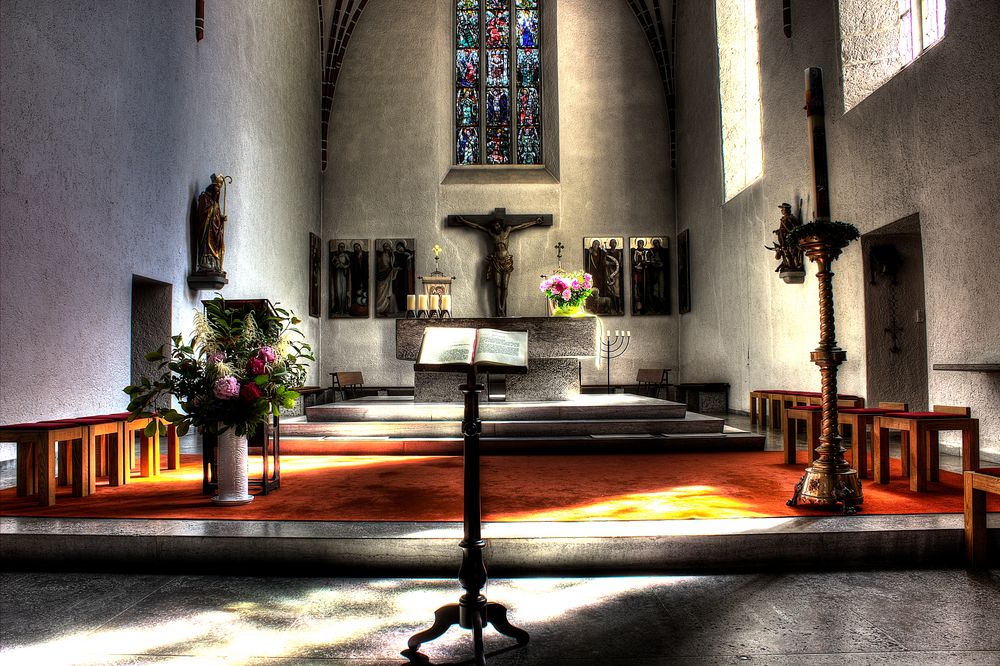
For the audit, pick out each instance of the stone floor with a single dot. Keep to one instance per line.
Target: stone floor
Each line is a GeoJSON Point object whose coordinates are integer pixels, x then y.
{"type": "Point", "coordinates": [864, 617]}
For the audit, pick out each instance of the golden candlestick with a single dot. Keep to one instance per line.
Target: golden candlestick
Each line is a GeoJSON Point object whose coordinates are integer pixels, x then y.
{"type": "Point", "coordinates": [829, 480]}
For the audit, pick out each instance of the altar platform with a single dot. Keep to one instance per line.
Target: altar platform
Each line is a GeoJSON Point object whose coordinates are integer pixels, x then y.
{"type": "Point", "coordinates": [622, 423]}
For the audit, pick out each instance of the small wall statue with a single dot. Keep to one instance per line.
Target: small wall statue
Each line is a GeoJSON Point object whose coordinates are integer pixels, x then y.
{"type": "Point", "coordinates": [790, 269]}
{"type": "Point", "coordinates": [209, 229]}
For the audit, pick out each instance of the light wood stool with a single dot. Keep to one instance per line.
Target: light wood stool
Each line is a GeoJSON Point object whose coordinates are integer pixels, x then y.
{"type": "Point", "coordinates": [919, 439]}
{"type": "Point", "coordinates": [976, 484]}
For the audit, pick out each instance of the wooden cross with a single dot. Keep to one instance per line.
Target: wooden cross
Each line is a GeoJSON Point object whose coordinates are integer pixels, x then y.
{"type": "Point", "coordinates": [499, 262]}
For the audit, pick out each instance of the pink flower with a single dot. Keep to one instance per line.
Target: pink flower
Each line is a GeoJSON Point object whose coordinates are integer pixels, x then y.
{"type": "Point", "coordinates": [226, 388]}
{"type": "Point", "coordinates": [567, 294]}
{"type": "Point", "coordinates": [588, 281]}
{"type": "Point", "coordinates": [267, 354]}
{"type": "Point", "coordinates": [249, 392]}
{"type": "Point", "coordinates": [256, 366]}
{"type": "Point", "coordinates": [217, 357]}
{"type": "Point", "coordinates": [575, 283]}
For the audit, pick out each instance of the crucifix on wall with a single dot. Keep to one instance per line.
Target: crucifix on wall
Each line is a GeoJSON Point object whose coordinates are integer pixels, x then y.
{"type": "Point", "coordinates": [499, 262]}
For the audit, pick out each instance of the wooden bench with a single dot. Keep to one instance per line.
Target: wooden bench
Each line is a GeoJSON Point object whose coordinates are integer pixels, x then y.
{"type": "Point", "coordinates": [858, 420]}
{"type": "Point", "coordinates": [976, 485]}
{"type": "Point", "coordinates": [772, 403]}
{"type": "Point", "coordinates": [37, 445]}
{"type": "Point", "coordinates": [812, 415]}
{"type": "Point", "coordinates": [311, 395]}
{"type": "Point", "coordinates": [919, 442]}
{"type": "Point", "coordinates": [352, 385]}
{"type": "Point", "coordinates": [650, 380]}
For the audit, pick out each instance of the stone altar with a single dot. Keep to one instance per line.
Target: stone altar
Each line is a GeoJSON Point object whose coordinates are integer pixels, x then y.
{"type": "Point", "coordinates": [555, 347]}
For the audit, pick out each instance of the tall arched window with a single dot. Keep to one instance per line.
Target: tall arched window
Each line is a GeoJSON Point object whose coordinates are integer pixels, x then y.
{"type": "Point", "coordinates": [498, 102]}
{"type": "Point", "coordinates": [739, 93]}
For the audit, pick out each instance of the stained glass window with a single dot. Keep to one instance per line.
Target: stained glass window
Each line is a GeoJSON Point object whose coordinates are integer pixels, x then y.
{"type": "Point", "coordinates": [498, 66]}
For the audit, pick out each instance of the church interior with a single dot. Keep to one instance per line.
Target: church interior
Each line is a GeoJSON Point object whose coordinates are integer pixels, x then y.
{"type": "Point", "coordinates": [379, 168]}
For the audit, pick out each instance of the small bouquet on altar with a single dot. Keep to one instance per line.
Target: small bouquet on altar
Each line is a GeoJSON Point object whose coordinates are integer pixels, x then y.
{"type": "Point", "coordinates": [238, 368]}
{"type": "Point", "coordinates": [567, 291]}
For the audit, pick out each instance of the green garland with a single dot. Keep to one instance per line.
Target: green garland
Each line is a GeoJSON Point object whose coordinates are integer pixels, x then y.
{"type": "Point", "coordinates": [842, 232]}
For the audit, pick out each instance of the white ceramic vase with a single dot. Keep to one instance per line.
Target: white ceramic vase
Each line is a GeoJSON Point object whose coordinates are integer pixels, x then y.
{"type": "Point", "coordinates": [231, 469]}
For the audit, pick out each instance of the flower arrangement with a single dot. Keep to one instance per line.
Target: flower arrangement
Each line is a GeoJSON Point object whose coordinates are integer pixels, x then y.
{"type": "Point", "coordinates": [238, 368]}
{"type": "Point", "coordinates": [568, 289]}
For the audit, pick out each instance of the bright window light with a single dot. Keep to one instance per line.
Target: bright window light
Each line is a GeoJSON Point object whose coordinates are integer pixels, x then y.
{"type": "Point", "coordinates": [739, 92]}
{"type": "Point", "coordinates": [880, 37]}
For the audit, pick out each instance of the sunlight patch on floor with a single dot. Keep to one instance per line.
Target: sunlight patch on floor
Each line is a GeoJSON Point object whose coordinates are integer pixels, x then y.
{"type": "Point", "coordinates": [681, 502]}
{"type": "Point", "coordinates": [318, 621]}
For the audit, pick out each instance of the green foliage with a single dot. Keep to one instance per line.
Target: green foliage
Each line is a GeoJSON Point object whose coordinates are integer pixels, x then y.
{"type": "Point", "coordinates": [837, 233]}
{"type": "Point", "coordinates": [236, 370]}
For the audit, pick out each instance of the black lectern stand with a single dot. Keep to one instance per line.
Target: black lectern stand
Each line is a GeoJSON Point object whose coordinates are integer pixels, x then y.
{"type": "Point", "coordinates": [472, 610]}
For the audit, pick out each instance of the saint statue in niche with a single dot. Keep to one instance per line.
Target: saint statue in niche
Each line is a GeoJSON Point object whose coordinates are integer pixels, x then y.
{"type": "Point", "coordinates": [789, 256]}
{"type": "Point", "coordinates": [211, 225]}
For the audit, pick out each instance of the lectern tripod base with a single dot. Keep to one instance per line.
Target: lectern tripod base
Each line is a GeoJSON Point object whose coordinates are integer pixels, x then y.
{"type": "Point", "coordinates": [472, 610]}
{"type": "Point", "coordinates": [474, 616]}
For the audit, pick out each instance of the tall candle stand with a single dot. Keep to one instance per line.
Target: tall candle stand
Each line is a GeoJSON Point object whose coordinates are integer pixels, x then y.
{"type": "Point", "coordinates": [829, 480]}
{"type": "Point", "coordinates": [613, 346]}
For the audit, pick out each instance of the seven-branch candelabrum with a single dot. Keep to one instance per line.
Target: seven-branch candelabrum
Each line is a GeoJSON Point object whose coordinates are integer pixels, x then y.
{"type": "Point", "coordinates": [613, 346]}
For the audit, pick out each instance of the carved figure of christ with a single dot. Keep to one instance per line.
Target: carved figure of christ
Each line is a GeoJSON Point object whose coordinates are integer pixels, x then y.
{"type": "Point", "coordinates": [499, 262]}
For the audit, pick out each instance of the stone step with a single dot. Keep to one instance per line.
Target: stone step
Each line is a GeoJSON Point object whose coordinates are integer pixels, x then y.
{"type": "Point", "coordinates": [692, 423]}
{"type": "Point", "coordinates": [583, 407]}
{"type": "Point", "coordinates": [452, 446]}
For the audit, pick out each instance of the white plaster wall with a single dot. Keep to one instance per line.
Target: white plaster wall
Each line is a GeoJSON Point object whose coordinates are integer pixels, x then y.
{"type": "Point", "coordinates": [926, 142]}
{"type": "Point", "coordinates": [391, 147]}
{"type": "Point", "coordinates": [113, 119]}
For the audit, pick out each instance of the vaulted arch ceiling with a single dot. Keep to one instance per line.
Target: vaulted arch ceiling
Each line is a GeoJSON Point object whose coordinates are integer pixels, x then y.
{"type": "Point", "coordinates": [338, 18]}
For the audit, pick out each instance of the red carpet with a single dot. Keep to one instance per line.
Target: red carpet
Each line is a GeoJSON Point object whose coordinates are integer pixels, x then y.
{"type": "Point", "coordinates": [515, 488]}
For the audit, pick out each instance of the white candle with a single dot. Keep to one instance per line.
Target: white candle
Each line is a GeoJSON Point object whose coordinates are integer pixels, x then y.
{"type": "Point", "coordinates": [422, 302]}
{"type": "Point", "coordinates": [446, 302]}
{"type": "Point", "coordinates": [435, 301]}
{"type": "Point", "coordinates": [411, 302]}
{"type": "Point", "coordinates": [628, 334]}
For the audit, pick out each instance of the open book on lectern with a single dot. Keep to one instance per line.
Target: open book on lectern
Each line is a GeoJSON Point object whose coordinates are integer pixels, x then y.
{"type": "Point", "coordinates": [446, 349]}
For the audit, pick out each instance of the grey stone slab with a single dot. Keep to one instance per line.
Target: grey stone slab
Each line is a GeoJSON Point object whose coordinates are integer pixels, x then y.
{"type": "Point", "coordinates": [546, 379]}
{"type": "Point", "coordinates": [58, 605]}
{"type": "Point", "coordinates": [548, 337]}
{"type": "Point", "coordinates": [437, 387]}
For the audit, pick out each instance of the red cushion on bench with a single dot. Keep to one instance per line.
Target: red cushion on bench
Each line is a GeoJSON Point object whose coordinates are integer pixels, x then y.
{"type": "Point", "coordinates": [865, 410]}
{"type": "Point", "coordinates": [992, 471]}
{"type": "Point", "coordinates": [40, 425]}
{"type": "Point", "coordinates": [926, 415]}
{"type": "Point", "coordinates": [91, 420]}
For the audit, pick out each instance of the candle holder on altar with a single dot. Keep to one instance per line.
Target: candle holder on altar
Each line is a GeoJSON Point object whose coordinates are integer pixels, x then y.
{"type": "Point", "coordinates": [613, 346]}
{"type": "Point", "coordinates": [829, 480]}
{"type": "Point", "coordinates": [437, 286]}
